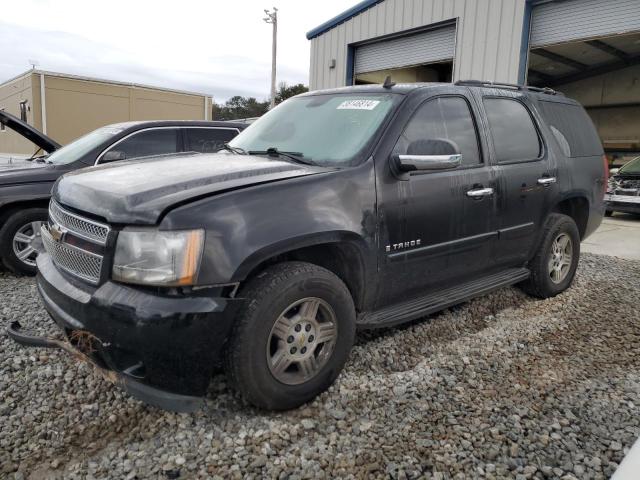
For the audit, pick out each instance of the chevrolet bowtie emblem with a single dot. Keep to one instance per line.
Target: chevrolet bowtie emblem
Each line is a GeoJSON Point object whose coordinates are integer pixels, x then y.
{"type": "Point", "coordinates": [56, 232]}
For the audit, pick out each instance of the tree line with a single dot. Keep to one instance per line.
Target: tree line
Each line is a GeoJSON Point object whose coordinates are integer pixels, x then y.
{"type": "Point", "coordinates": [248, 107]}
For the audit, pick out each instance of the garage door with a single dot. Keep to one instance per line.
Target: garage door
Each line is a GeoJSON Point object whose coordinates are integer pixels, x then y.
{"type": "Point", "coordinates": [417, 49]}
{"type": "Point", "coordinates": [558, 22]}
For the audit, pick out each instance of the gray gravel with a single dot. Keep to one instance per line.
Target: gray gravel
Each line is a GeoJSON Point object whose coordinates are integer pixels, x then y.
{"type": "Point", "coordinates": [502, 387]}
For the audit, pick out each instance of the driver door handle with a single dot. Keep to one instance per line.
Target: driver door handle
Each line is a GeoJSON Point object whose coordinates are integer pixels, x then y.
{"type": "Point", "coordinates": [546, 181]}
{"type": "Point", "coordinates": [480, 192]}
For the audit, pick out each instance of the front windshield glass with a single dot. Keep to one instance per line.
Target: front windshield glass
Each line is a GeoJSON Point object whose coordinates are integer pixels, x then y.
{"type": "Point", "coordinates": [631, 167]}
{"type": "Point", "coordinates": [329, 129]}
{"type": "Point", "coordinates": [83, 145]}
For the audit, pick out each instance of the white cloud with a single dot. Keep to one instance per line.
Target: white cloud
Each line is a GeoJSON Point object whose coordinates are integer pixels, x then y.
{"type": "Point", "coordinates": [209, 46]}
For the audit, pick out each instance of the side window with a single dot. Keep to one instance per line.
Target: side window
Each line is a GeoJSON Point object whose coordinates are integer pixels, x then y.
{"type": "Point", "coordinates": [207, 140]}
{"type": "Point", "coordinates": [443, 117]}
{"type": "Point", "coordinates": [515, 137]}
{"type": "Point", "coordinates": [148, 142]}
{"type": "Point", "coordinates": [573, 129]}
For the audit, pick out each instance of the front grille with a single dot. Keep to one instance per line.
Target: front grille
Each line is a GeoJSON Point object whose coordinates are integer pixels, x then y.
{"type": "Point", "coordinates": [76, 261]}
{"type": "Point", "coordinates": [82, 227]}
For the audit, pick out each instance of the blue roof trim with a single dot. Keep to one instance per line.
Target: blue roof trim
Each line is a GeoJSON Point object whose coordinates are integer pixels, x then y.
{"type": "Point", "coordinates": [343, 17]}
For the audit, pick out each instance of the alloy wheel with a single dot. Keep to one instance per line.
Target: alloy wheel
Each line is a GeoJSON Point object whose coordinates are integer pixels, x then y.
{"type": "Point", "coordinates": [301, 341]}
{"type": "Point", "coordinates": [27, 243]}
{"type": "Point", "coordinates": [561, 258]}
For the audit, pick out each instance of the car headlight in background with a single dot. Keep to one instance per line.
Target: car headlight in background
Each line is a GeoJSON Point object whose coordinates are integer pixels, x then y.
{"type": "Point", "coordinates": [159, 258]}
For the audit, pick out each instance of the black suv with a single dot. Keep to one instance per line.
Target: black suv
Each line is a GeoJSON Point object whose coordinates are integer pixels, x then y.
{"type": "Point", "coordinates": [356, 207]}
{"type": "Point", "coordinates": [25, 184]}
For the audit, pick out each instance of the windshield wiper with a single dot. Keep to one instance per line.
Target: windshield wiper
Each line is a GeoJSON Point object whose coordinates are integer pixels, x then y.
{"type": "Point", "coordinates": [297, 157]}
{"type": "Point", "coordinates": [236, 150]}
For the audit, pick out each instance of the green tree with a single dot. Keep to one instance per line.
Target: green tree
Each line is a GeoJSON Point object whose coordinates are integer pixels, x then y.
{"type": "Point", "coordinates": [285, 91]}
{"type": "Point", "coordinates": [239, 107]}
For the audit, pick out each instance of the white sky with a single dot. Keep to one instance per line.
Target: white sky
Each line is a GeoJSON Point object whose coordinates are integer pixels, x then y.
{"type": "Point", "coordinates": [222, 48]}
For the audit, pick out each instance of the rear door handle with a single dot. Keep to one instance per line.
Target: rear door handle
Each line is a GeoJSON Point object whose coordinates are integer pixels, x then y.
{"type": "Point", "coordinates": [480, 192]}
{"type": "Point", "coordinates": [546, 181]}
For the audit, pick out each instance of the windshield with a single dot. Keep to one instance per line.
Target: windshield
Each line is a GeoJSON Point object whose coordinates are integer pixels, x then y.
{"type": "Point", "coordinates": [330, 129]}
{"type": "Point", "coordinates": [83, 145]}
{"type": "Point", "coordinates": [631, 167]}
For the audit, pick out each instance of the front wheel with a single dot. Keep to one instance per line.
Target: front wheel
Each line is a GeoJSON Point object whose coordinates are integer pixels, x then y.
{"type": "Point", "coordinates": [292, 337]}
{"type": "Point", "coordinates": [556, 260]}
{"type": "Point", "coordinates": [20, 240]}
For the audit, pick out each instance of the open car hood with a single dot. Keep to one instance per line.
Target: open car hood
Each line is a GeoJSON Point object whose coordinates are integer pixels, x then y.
{"type": "Point", "coordinates": [27, 131]}
{"type": "Point", "coordinates": [140, 191]}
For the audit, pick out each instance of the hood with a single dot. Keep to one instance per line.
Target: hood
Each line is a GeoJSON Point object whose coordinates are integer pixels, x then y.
{"type": "Point", "coordinates": [19, 171]}
{"type": "Point", "coordinates": [27, 131]}
{"type": "Point", "coordinates": [140, 191]}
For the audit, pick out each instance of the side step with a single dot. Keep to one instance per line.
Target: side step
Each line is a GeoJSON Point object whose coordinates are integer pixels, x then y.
{"type": "Point", "coordinates": [440, 300]}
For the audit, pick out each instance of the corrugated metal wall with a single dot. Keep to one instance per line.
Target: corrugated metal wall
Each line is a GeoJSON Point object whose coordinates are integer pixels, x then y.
{"type": "Point", "coordinates": [575, 19]}
{"type": "Point", "coordinates": [431, 46]}
{"type": "Point", "coordinates": [487, 40]}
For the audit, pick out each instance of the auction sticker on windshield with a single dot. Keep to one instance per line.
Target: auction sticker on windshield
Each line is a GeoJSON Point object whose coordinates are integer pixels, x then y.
{"type": "Point", "coordinates": [358, 105]}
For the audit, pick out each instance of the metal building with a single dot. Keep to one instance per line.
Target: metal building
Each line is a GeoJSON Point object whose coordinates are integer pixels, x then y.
{"type": "Point", "coordinates": [589, 49]}
{"type": "Point", "coordinates": [66, 107]}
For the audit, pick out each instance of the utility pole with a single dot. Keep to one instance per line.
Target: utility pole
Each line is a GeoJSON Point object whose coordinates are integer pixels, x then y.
{"type": "Point", "coordinates": [272, 18]}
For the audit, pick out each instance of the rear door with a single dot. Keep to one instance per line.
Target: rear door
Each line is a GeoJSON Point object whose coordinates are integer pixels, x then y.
{"type": "Point", "coordinates": [525, 171]}
{"type": "Point", "coordinates": [207, 139]}
{"type": "Point", "coordinates": [435, 233]}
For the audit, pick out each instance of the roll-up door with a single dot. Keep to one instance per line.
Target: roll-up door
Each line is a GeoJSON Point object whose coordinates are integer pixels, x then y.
{"type": "Point", "coordinates": [416, 49]}
{"type": "Point", "coordinates": [558, 22]}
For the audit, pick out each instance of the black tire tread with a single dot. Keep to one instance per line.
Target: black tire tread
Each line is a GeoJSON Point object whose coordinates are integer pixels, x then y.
{"type": "Point", "coordinates": [534, 286]}
{"type": "Point", "coordinates": [263, 285]}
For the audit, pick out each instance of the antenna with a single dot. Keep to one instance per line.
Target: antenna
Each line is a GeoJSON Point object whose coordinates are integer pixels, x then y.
{"type": "Point", "coordinates": [388, 83]}
{"type": "Point", "coordinates": [34, 64]}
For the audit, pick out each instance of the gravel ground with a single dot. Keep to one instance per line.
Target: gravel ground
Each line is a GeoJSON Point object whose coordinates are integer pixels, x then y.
{"type": "Point", "coordinates": [504, 386]}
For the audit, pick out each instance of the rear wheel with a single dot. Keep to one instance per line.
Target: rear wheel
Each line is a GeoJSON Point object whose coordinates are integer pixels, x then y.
{"type": "Point", "coordinates": [608, 213]}
{"type": "Point", "coordinates": [20, 240]}
{"type": "Point", "coordinates": [554, 264]}
{"type": "Point", "coordinates": [293, 336]}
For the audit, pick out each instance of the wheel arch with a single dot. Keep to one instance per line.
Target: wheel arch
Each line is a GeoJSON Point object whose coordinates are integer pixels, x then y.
{"type": "Point", "coordinates": [342, 253]}
{"type": "Point", "coordinates": [9, 208]}
{"type": "Point", "coordinates": [577, 207]}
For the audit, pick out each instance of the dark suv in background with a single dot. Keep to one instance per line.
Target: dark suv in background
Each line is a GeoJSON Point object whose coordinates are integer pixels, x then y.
{"type": "Point", "coordinates": [357, 207]}
{"type": "Point", "coordinates": [25, 185]}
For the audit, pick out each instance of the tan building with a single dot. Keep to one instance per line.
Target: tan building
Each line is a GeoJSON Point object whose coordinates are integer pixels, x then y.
{"type": "Point", "coordinates": [66, 107]}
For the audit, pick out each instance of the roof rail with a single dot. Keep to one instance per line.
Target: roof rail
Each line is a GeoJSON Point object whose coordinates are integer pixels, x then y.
{"type": "Point", "coordinates": [511, 86]}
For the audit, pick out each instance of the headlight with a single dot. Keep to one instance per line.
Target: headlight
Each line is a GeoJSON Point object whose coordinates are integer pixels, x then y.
{"type": "Point", "coordinates": [152, 257]}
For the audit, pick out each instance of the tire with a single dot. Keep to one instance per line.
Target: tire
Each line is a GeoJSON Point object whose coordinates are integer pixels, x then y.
{"type": "Point", "coordinates": [255, 342]}
{"type": "Point", "coordinates": [21, 220]}
{"type": "Point", "coordinates": [608, 213]}
{"type": "Point", "coordinates": [543, 283]}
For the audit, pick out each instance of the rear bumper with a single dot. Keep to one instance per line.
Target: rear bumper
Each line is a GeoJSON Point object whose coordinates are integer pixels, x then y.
{"type": "Point", "coordinates": [160, 349]}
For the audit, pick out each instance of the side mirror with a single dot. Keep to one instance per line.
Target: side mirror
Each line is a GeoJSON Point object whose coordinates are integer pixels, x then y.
{"type": "Point", "coordinates": [113, 156]}
{"type": "Point", "coordinates": [429, 155]}
{"type": "Point", "coordinates": [614, 171]}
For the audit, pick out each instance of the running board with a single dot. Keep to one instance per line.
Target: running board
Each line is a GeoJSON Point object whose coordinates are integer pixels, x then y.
{"type": "Point", "coordinates": [440, 300]}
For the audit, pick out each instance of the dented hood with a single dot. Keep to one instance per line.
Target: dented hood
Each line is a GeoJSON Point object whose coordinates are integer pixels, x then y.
{"type": "Point", "coordinates": [141, 191]}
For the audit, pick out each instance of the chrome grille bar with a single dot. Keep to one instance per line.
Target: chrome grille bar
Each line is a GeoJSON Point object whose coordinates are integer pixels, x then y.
{"type": "Point", "coordinates": [82, 227]}
{"type": "Point", "coordinates": [77, 262]}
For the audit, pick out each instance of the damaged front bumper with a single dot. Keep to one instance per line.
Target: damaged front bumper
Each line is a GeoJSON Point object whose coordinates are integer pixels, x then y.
{"type": "Point", "coordinates": [160, 349]}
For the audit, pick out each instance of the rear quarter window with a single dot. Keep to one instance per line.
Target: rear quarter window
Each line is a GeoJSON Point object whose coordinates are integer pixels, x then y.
{"type": "Point", "coordinates": [572, 128]}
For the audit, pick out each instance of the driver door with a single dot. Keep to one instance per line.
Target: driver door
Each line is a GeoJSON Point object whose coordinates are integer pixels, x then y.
{"type": "Point", "coordinates": [438, 226]}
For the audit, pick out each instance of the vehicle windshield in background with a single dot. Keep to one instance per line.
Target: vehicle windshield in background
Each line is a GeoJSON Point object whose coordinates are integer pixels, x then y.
{"type": "Point", "coordinates": [83, 145]}
{"type": "Point", "coordinates": [632, 167]}
{"type": "Point", "coordinates": [329, 130]}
